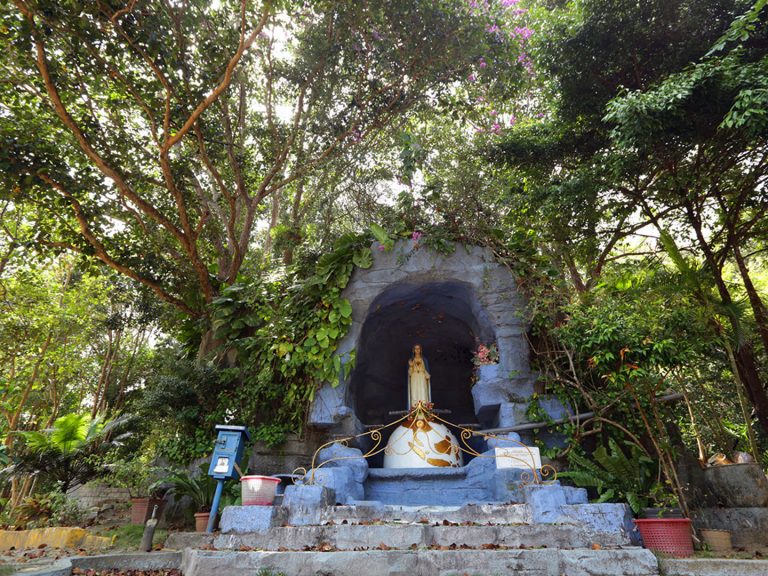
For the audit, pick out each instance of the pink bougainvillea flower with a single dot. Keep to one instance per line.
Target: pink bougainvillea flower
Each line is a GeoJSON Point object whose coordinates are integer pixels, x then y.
{"type": "Point", "coordinates": [416, 235]}
{"type": "Point", "coordinates": [523, 32]}
{"type": "Point", "coordinates": [482, 63]}
{"type": "Point", "coordinates": [494, 113]}
{"type": "Point", "coordinates": [508, 3]}
{"type": "Point", "coordinates": [381, 247]}
{"type": "Point", "coordinates": [471, 77]}
{"type": "Point", "coordinates": [512, 120]}
{"type": "Point", "coordinates": [496, 128]}
{"type": "Point", "coordinates": [493, 29]}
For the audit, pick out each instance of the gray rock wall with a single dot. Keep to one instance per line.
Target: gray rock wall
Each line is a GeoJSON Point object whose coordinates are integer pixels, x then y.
{"type": "Point", "coordinates": [295, 452]}
{"type": "Point", "coordinates": [98, 495]}
{"type": "Point", "coordinates": [467, 285]}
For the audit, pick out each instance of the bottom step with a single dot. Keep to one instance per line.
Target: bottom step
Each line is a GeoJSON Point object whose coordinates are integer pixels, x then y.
{"type": "Point", "coordinates": [540, 562]}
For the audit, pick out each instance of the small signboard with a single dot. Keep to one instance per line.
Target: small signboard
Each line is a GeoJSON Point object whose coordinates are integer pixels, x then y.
{"type": "Point", "coordinates": [222, 465]}
{"type": "Point", "coordinates": [518, 457]}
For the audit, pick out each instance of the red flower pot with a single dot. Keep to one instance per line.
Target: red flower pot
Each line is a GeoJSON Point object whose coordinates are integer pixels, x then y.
{"type": "Point", "coordinates": [667, 535]}
{"type": "Point", "coordinates": [141, 509]}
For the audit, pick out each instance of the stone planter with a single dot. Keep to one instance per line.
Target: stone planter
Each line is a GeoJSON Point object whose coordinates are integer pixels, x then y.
{"type": "Point", "coordinates": [487, 372]}
{"type": "Point", "coordinates": [141, 509]}
{"type": "Point", "coordinates": [738, 485]}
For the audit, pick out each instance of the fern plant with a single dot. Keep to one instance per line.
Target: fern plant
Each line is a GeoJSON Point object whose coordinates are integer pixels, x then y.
{"type": "Point", "coordinates": [200, 488]}
{"type": "Point", "coordinates": [616, 476]}
{"type": "Point", "coordinates": [70, 452]}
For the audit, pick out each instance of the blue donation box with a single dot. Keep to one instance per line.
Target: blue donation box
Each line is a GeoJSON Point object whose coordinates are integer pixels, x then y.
{"type": "Point", "coordinates": [228, 451]}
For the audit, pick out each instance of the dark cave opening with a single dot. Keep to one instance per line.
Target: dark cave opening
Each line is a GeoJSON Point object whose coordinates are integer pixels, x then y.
{"type": "Point", "coordinates": [438, 315]}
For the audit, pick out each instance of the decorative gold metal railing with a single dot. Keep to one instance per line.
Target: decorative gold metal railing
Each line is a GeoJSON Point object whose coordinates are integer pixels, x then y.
{"type": "Point", "coordinates": [417, 417]}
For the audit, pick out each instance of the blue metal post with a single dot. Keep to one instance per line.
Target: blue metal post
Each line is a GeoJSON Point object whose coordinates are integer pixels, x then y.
{"type": "Point", "coordinates": [215, 505]}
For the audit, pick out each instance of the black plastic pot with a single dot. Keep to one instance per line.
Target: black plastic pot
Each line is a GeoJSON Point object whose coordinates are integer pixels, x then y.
{"type": "Point", "coordinates": [651, 513]}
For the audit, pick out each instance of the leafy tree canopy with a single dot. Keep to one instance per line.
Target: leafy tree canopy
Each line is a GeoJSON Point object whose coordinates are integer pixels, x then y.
{"type": "Point", "coordinates": [149, 135]}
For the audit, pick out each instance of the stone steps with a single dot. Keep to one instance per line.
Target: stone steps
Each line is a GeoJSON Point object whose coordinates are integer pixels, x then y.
{"type": "Point", "coordinates": [539, 562]}
{"type": "Point", "coordinates": [423, 486]}
{"type": "Point", "coordinates": [409, 536]}
{"type": "Point", "coordinates": [468, 513]}
{"type": "Point", "coordinates": [605, 524]}
{"type": "Point", "coordinates": [404, 536]}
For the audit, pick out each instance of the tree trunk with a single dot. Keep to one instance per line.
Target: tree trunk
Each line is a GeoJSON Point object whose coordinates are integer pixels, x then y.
{"type": "Point", "coordinates": [273, 217]}
{"type": "Point", "coordinates": [758, 307]}
{"type": "Point", "coordinates": [745, 360]}
{"type": "Point", "coordinates": [295, 221]}
{"type": "Point", "coordinates": [744, 354]}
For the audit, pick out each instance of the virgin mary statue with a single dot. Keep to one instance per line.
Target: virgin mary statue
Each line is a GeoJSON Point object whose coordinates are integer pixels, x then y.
{"type": "Point", "coordinates": [420, 441]}
{"type": "Point", "coordinates": [418, 379]}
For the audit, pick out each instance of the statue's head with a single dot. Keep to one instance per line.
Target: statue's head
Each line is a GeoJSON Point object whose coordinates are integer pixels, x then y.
{"type": "Point", "coordinates": [417, 350]}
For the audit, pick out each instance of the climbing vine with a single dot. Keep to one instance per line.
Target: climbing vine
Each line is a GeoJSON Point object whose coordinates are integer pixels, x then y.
{"type": "Point", "coordinates": [279, 334]}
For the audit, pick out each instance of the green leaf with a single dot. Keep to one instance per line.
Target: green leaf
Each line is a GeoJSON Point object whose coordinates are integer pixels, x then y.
{"type": "Point", "coordinates": [345, 308]}
{"type": "Point", "coordinates": [363, 258]}
{"type": "Point", "coordinates": [380, 234]}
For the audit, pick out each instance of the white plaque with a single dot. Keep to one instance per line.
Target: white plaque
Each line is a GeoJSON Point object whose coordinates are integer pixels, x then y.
{"type": "Point", "coordinates": [222, 465]}
{"type": "Point", "coordinates": [518, 457]}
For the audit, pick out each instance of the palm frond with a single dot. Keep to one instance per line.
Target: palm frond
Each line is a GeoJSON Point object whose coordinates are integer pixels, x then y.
{"type": "Point", "coordinates": [687, 272]}
{"type": "Point", "coordinates": [70, 432]}
{"type": "Point", "coordinates": [737, 312]}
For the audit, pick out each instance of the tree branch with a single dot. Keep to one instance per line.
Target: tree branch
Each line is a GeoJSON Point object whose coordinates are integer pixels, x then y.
{"type": "Point", "coordinates": [101, 252]}
{"type": "Point", "coordinates": [244, 44]}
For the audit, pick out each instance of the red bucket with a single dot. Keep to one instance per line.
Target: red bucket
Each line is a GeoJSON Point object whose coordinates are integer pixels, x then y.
{"type": "Point", "coordinates": [667, 535]}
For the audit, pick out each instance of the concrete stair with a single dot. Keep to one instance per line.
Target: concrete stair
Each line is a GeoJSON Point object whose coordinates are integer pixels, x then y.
{"type": "Point", "coordinates": [405, 527]}
{"type": "Point", "coordinates": [540, 562]}
{"type": "Point", "coordinates": [464, 514]}
{"type": "Point", "coordinates": [414, 536]}
{"type": "Point", "coordinates": [425, 486]}
{"type": "Point", "coordinates": [416, 540]}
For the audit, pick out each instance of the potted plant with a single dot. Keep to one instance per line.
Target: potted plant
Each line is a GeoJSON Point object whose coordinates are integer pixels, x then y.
{"type": "Point", "coordinates": [615, 476]}
{"type": "Point", "coordinates": [140, 478]}
{"type": "Point", "coordinates": [665, 504]}
{"type": "Point", "coordinates": [618, 477]}
{"type": "Point", "coordinates": [200, 489]}
{"type": "Point", "coordinates": [664, 527]}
